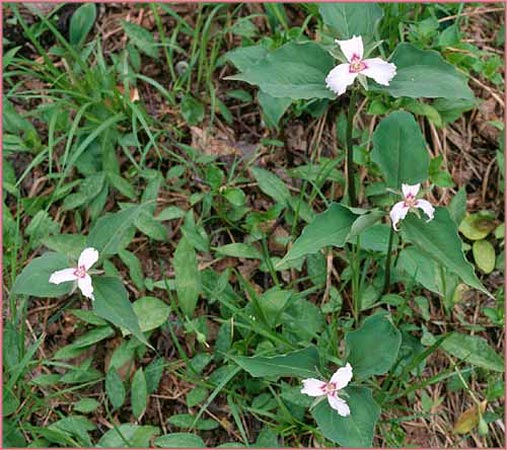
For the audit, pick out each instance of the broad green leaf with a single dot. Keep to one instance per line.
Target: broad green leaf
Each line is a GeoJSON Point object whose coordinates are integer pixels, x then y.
{"type": "Point", "coordinates": [141, 38]}
{"type": "Point", "coordinates": [86, 405]}
{"type": "Point", "coordinates": [151, 227]}
{"type": "Point", "coordinates": [180, 440]}
{"type": "Point", "coordinates": [137, 436]}
{"type": "Point", "coordinates": [134, 266]}
{"type": "Point", "coordinates": [121, 185]}
{"type": "Point", "coordinates": [300, 363]}
{"type": "Point", "coordinates": [195, 233]}
{"type": "Point", "coordinates": [12, 437]}
{"type": "Point", "coordinates": [474, 350]}
{"type": "Point", "coordinates": [273, 107]}
{"type": "Point", "coordinates": [365, 220]}
{"type": "Point", "coordinates": [357, 429]}
{"type": "Point", "coordinates": [196, 396]}
{"type": "Point", "coordinates": [67, 244]}
{"type": "Point", "coordinates": [373, 348]}
{"type": "Point", "coordinates": [295, 70]}
{"type": "Point", "coordinates": [349, 19]}
{"type": "Point", "coordinates": [138, 394]}
{"type": "Point", "coordinates": [34, 279]}
{"type": "Point", "coordinates": [439, 239]}
{"type": "Point", "coordinates": [244, 57]}
{"type": "Point", "coordinates": [272, 302]}
{"type": "Point", "coordinates": [114, 388]}
{"type": "Point", "coordinates": [451, 110]}
{"type": "Point", "coordinates": [376, 238]}
{"type": "Point", "coordinates": [151, 313]}
{"type": "Point", "coordinates": [75, 426]}
{"type": "Point", "coordinates": [330, 228]}
{"type": "Point", "coordinates": [81, 23]}
{"type": "Point", "coordinates": [302, 319]}
{"type": "Point", "coordinates": [477, 226]}
{"type": "Point", "coordinates": [40, 226]}
{"type": "Point", "coordinates": [153, 374]}
{"type": "Point", "coordinates": [187, 276]}
{"type": "Point", "coordinates": [271, 185]}
{"type": "Point", "coordinates": [113, 231]}
{"type": "Point", "coordinates": [112, 303]}
{"type": "Point", "coordinates": [170, 213]}
{"type": "Point", "coordinates": [458, 206]}
{"type": "Point", "coordinates": [484, 255]}
{"type": "Point", "coordinates": [239, 250]}
{"type": "Point", "coordinates": [425, 270]}
{"type": "Point", "coordinates": [424, 73]}
{"type": "Point", "coordinates": [86, 340]}
{"type": "Point", "coordinates": [400, 150]}
{"type": "Point", "coordinates": [192, 110]}
{"type": "Point", "coordinates": [189, 421]}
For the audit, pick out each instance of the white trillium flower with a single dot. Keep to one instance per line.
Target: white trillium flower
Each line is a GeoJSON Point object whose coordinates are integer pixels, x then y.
{"type": "Point", "coordinates": [400, 209]}
{"type": "Point", "coordinates": [87, 258]}
{"type": "Point", "coordinates": [340, 379]}
{"type": "Point", "coordinates": [344, 75]}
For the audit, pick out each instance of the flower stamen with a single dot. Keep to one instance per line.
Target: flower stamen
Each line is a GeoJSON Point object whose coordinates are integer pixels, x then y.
{"type": "Point", "coordinates": [80, 272]}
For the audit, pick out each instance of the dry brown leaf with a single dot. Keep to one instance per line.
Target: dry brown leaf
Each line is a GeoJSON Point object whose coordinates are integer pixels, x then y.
{"type": "Point", "coordinates": [134, 93]}
{"type": "Point", "coordinates": [469, 419]}
{"type": "Point", "coordinates": [218, 145]}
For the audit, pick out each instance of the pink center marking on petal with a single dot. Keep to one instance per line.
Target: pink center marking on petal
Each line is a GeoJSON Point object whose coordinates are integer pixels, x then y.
{"type": "Point", "coordinates": [410, 201]}
{"type": "Point", "coordinates": [329, 388]}
{"type": "Point", "coordinates": [80, 272]}
{"type": "Point", "coordinates": [356, 65]}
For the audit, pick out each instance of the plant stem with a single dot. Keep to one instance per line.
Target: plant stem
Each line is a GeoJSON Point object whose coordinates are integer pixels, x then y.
{"type": "Point", "coordinates": [351, 187]}
{"type": "Point", "coordinates": [387, 276]}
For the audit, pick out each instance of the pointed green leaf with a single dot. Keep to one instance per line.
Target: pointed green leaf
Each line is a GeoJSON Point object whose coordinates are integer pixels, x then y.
{"type": "Point", "coordinates": [187, 276]}
{"type": "Point", "coordinates": [271, 185]}
{"type": "Point", "coordinates": [296, 70]}
{"type": "Point", "coordinates": [373, 348]}
{"type": "Point", "coordinates": [350, 19]}
{"type": "Point", "coordinates": [424, 73]}
{"type": "Point", "coordinates": [357, 429]}
{"type": "Point", "coordinates": [400, 150]}
{"type": "Point", "coordinates": [484, 255]}
{"type": "Point", "coordinates": [113, 231]}
{"type": "Point", "coordinates": [439, 239]}
{"type": "Point", "coordinates": [330, 228]}
{"type": "Point", "coordinates": [300, 363]}
{"type": "Point", "coordinates": [138, 394]}
{"type": "Point", "coordinates": [112, 303]}
{"type": "Point", "coordinates": [114, 388]}
{"type": "Point", "coordinates": [81, 23]}
{"type": "Point", "coordinates": [34, 279]}
{"type": "Point", "coordinates": [474, 350]}
{"type": "Point", "coordinates": [180, 440]}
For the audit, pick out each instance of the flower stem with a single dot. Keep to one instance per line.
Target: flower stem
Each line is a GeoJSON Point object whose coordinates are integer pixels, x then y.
{"type": "Point", "coordinates": [351, 187]}
{"type": "Point", "coordinates": [387, 276]}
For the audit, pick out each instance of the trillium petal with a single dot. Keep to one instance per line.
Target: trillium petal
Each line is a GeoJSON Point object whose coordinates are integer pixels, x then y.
{"type": "Point", "coordinates": [313, 387]}
{"type": "Point", "coordinates": [352, 47]}
{"type": "Point", "coordinates": [339, 78]}
{"type": "Point", "coordinates": [398, 212]}
{"type": "Point", "coordinates": [61, 276]}
{"type": "Point", "coordinates": [381, 71]}
{"type": "Point", "coordinates": [342, 376]}
{"type": "Point", "coordinates": [85, 284]}
{"type": "Point", "coordinates": [410, 189]}
{"type": "Point", "coordinates": [338, 404]}
{"type": "Point", "coordinates": [88, 257]}
{"type": "Point", "coordinates": [427, 207]}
